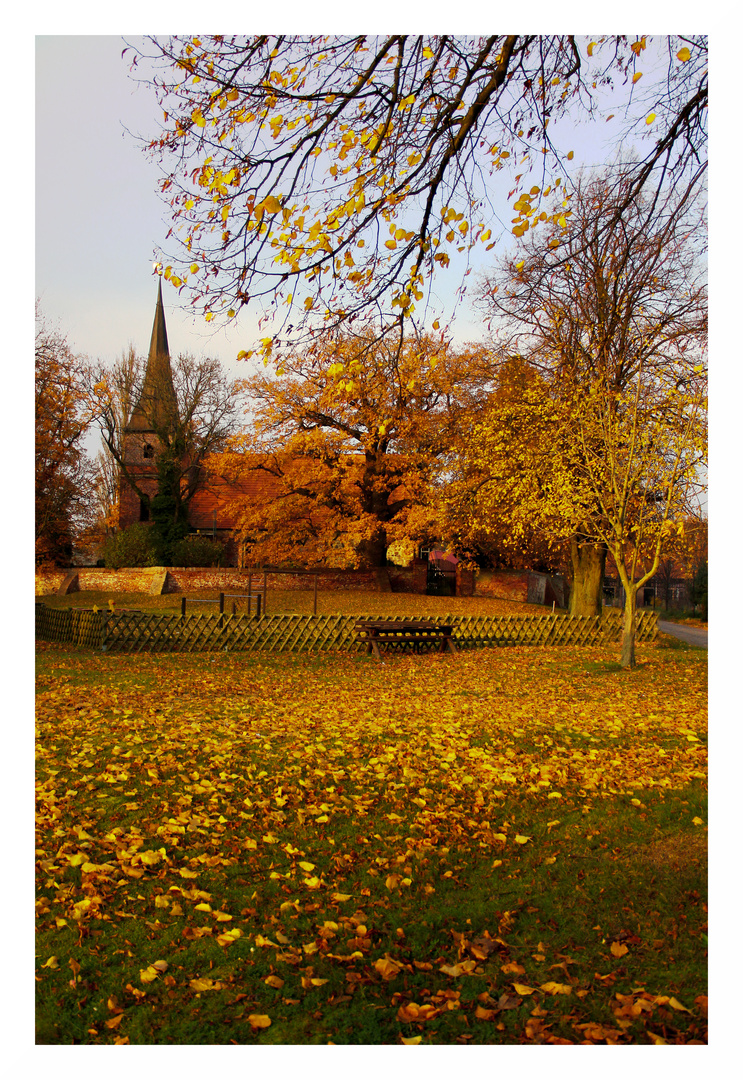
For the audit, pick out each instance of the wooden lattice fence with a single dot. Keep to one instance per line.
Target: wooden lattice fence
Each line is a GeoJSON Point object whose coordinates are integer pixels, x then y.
{"type": "Point", "coordinates": [141, 631]}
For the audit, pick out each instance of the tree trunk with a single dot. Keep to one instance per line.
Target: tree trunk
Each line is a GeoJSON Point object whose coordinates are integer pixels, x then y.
{"type": "Point", "coordinates": [373, 551]}
{"type": "Point", "coordinates": [627, 659]}
{"type": "Point", "coordinates": [589, 561]}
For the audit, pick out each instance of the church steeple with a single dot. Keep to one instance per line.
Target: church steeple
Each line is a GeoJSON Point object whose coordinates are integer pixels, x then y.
{"type": "Point", "coordinates": [157, 405]}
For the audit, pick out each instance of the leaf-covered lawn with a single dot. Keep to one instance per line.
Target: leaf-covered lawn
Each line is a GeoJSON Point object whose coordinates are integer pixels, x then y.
{"type": "Point", "coordinates": [300, 601]}
{"type": "Point", "coordinates": [495, 847]}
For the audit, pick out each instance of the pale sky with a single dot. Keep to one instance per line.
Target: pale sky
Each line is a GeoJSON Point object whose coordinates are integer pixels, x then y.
{"type": "Point", "coordinates": [99, 217]}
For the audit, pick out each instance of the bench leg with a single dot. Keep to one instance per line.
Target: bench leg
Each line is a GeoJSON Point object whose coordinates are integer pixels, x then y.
{"type": "Point", "coordinates": [375, 649]}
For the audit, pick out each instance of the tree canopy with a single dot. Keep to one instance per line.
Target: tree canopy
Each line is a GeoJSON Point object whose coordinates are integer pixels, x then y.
{"type": "Point", "coordinates": [598, 431]}
{"type": "Point", "coordinates": [325, 179]}
{"type": "Point", "coordinates": [63, 414]}
{"type": "Point", "coordinates": [355, 448]}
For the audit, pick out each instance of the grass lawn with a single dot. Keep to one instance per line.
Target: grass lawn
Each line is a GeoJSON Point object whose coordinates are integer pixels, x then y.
{"type": "Point", "coordinates": [503, 846]}
{"type": "Point", "coordinates": [300, 602]}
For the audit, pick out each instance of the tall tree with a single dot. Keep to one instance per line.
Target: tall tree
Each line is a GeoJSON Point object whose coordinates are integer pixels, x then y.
{"type": "Point", "coordinates": [117, 387]}
{"type": "Point", "coordinates": [62, 416]}
{"type": "Point", "coordinates": [191, 418]}
{"type": "Point", "coordinates": [597, 308]}
{"type": "Point", "coordinates": [327, 178]}
{"type": "Point", "coordinates": [354, 445]}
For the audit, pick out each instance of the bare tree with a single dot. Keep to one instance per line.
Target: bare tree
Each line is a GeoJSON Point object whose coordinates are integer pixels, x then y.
{"type": "Point", "coordinates": [196, 421]}
{"type": "Point", "coordinates": [589, 307]}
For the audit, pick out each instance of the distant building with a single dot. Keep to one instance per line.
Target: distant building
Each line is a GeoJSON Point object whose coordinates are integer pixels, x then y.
{"type": "Point", "coordinates": [211, 511]}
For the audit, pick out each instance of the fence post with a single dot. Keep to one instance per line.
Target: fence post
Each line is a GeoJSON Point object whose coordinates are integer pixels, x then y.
{"type": "Point", "coordinates": [183, 607]}
{"type": "Point", "coordinates": [314, 607]}
{"type": "Point", "coordinates": [258, 606]}
{"type": "Point", "coordinates": [265, 586]}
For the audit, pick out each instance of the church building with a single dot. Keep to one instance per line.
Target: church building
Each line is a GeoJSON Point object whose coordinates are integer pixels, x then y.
{"type": "Point", "coordinates": [211, 509]}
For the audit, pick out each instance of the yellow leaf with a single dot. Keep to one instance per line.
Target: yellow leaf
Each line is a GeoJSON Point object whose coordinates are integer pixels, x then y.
{"type": "Point", "coordinates": [52, 963]}
{"type": "Point", "coordinates": [392, 881]}
{"type": "Point", "coordinates": [340, 897]}
{"type": "Point", "coordinates": [387, 968]}
{"type": "Point", "coordinates": [618, 949]}
{"type": "Point", "coordinates": [571, 155]}
{"type": "Point", "coordinates": [512, 968]}
{"type": "Point", "coordinates": [259, 1020]}
{"type": "Point", "coordinates": [697, 821]}
{"type": "Point", "coordinates": [591, 47]}
{"type": "Point", "coordinates": [521, 839]}
{"type": "Point", "coordinates": [556, 988]}
{"type": "Point", "coordinates": [148, 975]}
{"type": "Point", "coordinates": [416, 1038]}
{"type": "Point", "coordinates": [650, 118]}
{"type": "Point", "coordinates": [524, 991]}
{"type": "Point", "coordinates": [390, 244]}
{"type": "Point", "coordinates": [307, 866]}
{"type": "Point", "coordinates": [274, 981]}
{"type": "Point", "coordinates": [676, 1004]}
{"type": "Point", "coordinates": [272, 206]}
{"type": "Point", "coordinates": [637, 76]}
{"type": "Point", "coordinates": [201, 984]}
{"type": "Point", "coordinates": [683, 55]}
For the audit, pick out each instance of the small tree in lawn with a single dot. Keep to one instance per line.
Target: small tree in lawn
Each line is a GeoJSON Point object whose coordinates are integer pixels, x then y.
{"type": "Point", "coordinates": [641, 451]}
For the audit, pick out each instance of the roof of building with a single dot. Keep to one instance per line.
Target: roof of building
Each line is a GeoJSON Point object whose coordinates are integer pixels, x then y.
{"type": "Point", "coordinates": [157, 403]}
{"type": "Point", "coordinates": [214, 505]}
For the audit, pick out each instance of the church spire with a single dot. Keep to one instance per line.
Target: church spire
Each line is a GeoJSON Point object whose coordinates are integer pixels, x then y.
{"type": "Point", "coordinates": [157, 405]}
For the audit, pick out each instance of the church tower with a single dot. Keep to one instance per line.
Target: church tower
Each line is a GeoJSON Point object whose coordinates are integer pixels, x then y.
{"type": "Point", "coordinates": [152, 417]}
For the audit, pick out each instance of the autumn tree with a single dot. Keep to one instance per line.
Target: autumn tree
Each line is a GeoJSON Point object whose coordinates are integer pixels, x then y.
{"type": "Point", "coordinates": [500, 504]}
{"type": "Point", "coordinates": [118, 389]}
{"type": "Point", "coordinates": [325, 179]}
{"type": "Point", "coordinates": [355, 443]}
{"type": "Point", "coordinates": [192, 415]}
{"type": "Point", "coordinates": [62, 417]}
{"type": "Point", "coordinates": [588, 308]}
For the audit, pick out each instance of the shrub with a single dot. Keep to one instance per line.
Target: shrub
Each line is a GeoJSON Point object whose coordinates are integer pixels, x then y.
{"type": "Point", "coordinates": [197, 551]}
{"type": "Point", "coordinates": [130, 547]}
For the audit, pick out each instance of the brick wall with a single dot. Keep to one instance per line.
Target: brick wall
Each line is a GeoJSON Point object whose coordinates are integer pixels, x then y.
{"type": "Point", "coordinates": [191, 579]}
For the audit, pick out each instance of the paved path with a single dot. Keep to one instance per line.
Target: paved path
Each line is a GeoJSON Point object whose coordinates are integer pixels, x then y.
{"type": "Point", "coordinates": [693, 634]}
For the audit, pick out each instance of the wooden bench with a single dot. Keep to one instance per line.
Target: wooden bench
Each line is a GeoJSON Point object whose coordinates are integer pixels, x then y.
{"type": "Point", "coordinates": [401, 634]}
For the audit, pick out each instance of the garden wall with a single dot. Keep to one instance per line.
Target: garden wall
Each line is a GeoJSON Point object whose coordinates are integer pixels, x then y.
{"type": "Point", "coordinates": [179, 579]}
